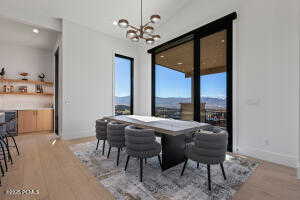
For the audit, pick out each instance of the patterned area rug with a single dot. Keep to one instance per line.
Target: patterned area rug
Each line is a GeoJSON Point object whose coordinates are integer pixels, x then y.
{"type": "Point", "coordinates": [167, 185]}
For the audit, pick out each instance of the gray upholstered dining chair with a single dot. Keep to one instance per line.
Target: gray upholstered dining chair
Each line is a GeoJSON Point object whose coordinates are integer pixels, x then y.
{"type": "Point", "coordinates": [209, 149]}
{"type": "Point", "coordinates": [4, 145]}
{"type": "Point", "coordinates": [141, 143]}
{"type": "Point", "coordinates": [116, 137]}
{"type": "Point", "coordinates": [101, 132]}
{"type": "Point", "coordinates": [1, 168]}
{"type": "Point", "coordinates": [3, 153]}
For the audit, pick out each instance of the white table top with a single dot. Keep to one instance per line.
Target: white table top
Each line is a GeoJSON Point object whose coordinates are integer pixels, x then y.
{"type": "Point", "coordinates": [161, 125]}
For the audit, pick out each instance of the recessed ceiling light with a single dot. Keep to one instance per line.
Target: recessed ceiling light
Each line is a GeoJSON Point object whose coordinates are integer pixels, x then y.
{"type": "Point", "coordinates": [115, 23]}
{"type": "Point", "coordinates": [222, 41]}
{"type": "Point", "coordinates": [35, 30]}
{"type": "Point", "coordinates": [179, 63]}
{"type": "Point", "coordinates": [162, 56]}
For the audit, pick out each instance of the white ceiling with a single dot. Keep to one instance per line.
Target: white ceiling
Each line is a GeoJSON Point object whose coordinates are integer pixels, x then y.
{"type": "Point", "coordinates": [13, 32]}
{"type": "Point", "coordinates": [100, 14]}
{"type": "Point", "coordinates": [96, 14]}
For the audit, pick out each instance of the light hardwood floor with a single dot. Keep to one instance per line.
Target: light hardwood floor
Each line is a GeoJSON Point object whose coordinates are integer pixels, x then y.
{"type": "Point", "coordinates": [58, 175]}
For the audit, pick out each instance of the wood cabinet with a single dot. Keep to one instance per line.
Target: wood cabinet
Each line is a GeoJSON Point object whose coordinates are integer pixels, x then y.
{"type": "Point", "coordinates": [44, 120]}
{"type": "Point", "coordinates": [26, 121]}
{"type": "Point", "coordinates": [35, 120]}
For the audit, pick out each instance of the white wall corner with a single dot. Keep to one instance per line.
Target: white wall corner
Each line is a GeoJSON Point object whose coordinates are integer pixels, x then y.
{"type": "Point", "coordinates": [282, 159]}
{"type": "Point", "coordinates": [235, 99]}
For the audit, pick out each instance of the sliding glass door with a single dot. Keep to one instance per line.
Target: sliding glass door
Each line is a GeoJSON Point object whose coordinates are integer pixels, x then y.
{"type": "Point", "coordinates": [123, 99]}
{"type": "Point", "coordinates": [192, 76]}
{"type": "Point", "coordinates": [213, 79]}
{"type": "Point", "coordinates": [173, 82]}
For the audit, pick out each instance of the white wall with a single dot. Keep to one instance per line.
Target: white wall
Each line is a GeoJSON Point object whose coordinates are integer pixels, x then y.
{"type": "Point", "coordinates": [267, 67]}
{"type": "Point", "coordinates": [35, 61]}
{"type": "Point", "coordinates": [87, 85]}
{"type": "Point", "coordinates": [18, 59]}
{"type": "Point", "coordinates": [298, 171]}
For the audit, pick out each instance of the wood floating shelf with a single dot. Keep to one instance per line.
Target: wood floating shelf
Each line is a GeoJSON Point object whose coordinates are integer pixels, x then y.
{"type": "Point", "coordinates": [26, 81]}
{"type": "Point", "coordinates": [26, 93]}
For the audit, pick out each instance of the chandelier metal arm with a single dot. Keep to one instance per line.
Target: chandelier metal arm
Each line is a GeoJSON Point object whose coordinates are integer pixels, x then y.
{"type": "Point", "coordinates": [150, 35]}
{"type": "Point", "coordinates": [142, 37]}
{"type": "Point", "coordinates": [143, 31]}
{"type": "Point", "coordinates": [143, 26]}
{"type": "Point", "coordinates": [147, 23]}
{"type": "Point", "coordinates": [137, 29]}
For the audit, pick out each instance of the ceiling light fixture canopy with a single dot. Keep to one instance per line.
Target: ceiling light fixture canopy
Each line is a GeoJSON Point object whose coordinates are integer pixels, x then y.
{"type": "Point", "coordinates": [144, 31]}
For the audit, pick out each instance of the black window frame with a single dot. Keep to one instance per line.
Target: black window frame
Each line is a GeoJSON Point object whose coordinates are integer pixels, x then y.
{"type": "Point", "coordinates": [131, 80]}
{"type": "Point", "coordinates": [224, 23]}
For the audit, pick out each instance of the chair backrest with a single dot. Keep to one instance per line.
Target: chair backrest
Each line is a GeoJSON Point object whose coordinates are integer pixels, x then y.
{"type": "Point", "coordinates": [139, 137]}
{"type": "Point", "coordinates": [116, 134]}
{"type": "Point", "coordinates": [101, 129]}
{"type": "Point", "coordinates": [215, 129]}
{"type": "Point", "coordinates": [212, 145]}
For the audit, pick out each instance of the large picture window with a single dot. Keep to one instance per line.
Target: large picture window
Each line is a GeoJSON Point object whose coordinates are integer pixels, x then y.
{"type": "Point", "coordinates": [173, 83]}
{"type": "Point", "coordinates": [123, 99]}
{"type": "Point", "coordinates": [192, 76]}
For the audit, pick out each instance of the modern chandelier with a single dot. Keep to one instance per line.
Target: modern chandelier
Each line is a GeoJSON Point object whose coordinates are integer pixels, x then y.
{"type": "Point", "coordinates": [144, 31]}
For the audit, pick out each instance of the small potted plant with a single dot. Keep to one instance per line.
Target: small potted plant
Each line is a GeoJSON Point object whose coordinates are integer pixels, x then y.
{"type": "Point", "coordinates": [2, 73]}
{"type": "Point", "coordinates": [42, 77]}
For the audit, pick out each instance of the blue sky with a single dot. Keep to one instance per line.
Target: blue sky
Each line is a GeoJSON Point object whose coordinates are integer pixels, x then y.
{"type": "Point", "coordinates": [122, 77]}
{"type": "Point", "coordinates": [169, 83]}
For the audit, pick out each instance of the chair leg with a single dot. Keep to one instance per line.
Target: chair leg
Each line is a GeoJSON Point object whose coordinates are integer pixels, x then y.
{"type": "Point", "coordinates": [2, 171]}
{"type": "Point", "coordinates": [184, 165]}
{"type": "Point", "coordinates": [159, 160]}
{"type": "Point", "coordinates": [197, 165]}
{"type": "Point", "coordinates": [97, 145]}
{"type": "Point", "coordinates": [108, 151]}
{"type": "Point", "coordinates": [9, 155]}
{"type": "Point", "coordinates": [8, 151]}
{"type": "Point", "coordinates": [4, 156]}
{"type": "Point", "coordinates": [223, 171]}
{"type": "Point", "coordinates": [103, 147]}
{"type": "Point", "coordinates": [208, 176]}
{"type": "Point", "coordinates": [118, 157]}
{"type": "Point", "coordinates": [141, 169]}
{"type": "Point", "coordinates": [127, 160]}
{"type": "Point", "coordinates": [6, 139]}
{"type": "Point", "coordinates": [13, 138]}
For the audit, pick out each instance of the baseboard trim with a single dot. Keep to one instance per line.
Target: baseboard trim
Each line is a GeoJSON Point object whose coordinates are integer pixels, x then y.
{"type": "Point", "coordinates": [277, 158]}
{"type": "Point", "coordinates": [75, 134]}
{"type": "Point", "coordinates": [298, 171]}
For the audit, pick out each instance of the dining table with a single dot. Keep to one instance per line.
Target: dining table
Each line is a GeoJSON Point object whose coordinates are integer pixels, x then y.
{"type": "Point", "coordinates": [172, 132]}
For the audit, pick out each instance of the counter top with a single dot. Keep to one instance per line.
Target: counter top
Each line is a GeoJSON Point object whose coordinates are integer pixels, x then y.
{"type": "Point", "coordinates": [10, 109]}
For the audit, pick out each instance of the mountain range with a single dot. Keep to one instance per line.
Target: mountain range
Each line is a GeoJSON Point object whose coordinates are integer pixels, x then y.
{"type": "Point", "coordinates": [174, 102]}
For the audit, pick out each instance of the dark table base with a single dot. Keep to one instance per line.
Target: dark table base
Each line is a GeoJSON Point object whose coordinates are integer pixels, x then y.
{"type": "Point", "coordinates": [173, 148]}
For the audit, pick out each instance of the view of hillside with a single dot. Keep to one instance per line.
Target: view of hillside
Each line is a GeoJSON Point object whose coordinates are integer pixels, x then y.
{"type": "Point", "coordinates": [173, 102]}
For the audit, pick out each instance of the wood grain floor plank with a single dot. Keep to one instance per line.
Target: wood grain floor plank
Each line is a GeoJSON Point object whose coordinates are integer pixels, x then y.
{"type": "Point", "coordinates": [52, 168]}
